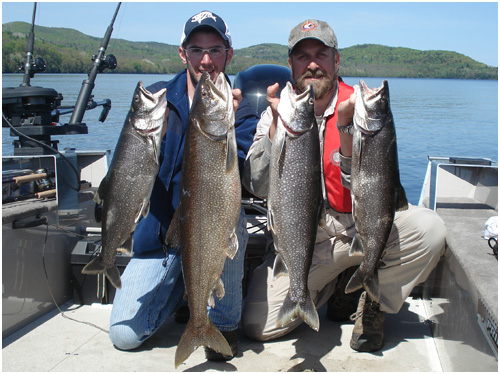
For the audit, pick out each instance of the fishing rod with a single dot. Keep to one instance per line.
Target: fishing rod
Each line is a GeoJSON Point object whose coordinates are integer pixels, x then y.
{"type": "Point", "coordinates": [101, 62]}
{"type": "Point", "coordinates": [31, 67]}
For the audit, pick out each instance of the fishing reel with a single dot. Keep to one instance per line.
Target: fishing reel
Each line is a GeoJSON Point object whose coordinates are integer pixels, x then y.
{"type": "Point", "coordinates": [36, 66]}
{"type": "Point", "coordinates": [107, 62]}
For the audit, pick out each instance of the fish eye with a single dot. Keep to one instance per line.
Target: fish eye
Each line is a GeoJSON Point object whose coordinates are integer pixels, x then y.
{"type": "Point", "coordinates": [136, 98]}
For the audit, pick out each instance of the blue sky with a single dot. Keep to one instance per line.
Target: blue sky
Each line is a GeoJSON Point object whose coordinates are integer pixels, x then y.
{"type": "Point", "coordinates": [470, 28]}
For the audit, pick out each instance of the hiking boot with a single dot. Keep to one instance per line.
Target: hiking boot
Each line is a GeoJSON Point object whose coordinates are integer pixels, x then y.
{"type": "Point", "coordinates": [341, 305]}
{"type": "Point", "coordinates": [368, 332]}
{"type": "Point", "coordinates": [181, 315]}
{"type": "Point", "coordinates": [232, 340]}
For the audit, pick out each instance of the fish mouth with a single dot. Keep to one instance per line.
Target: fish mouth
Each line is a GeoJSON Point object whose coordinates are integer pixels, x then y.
{"type": "Point", "coordinates": [149, 131]}
{"type": "Point", "coordinates": [368, 102]}
{"type": "Point", "coordinates": [216, 98]}
{"type": "Point", "coordinates": [299, 99]}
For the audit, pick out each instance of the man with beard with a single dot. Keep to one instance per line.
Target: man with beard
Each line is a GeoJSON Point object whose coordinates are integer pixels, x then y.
{"type": "Point", "coordinates": [417, 239]}
{"type": "Point", "coordinates": [152, 283]}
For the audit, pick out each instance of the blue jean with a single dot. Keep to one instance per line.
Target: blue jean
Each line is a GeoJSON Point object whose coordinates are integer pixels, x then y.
{"type": "Point", "coordinates": [153, 287]}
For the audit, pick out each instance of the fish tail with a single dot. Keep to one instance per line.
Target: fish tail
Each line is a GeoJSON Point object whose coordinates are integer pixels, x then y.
{"type": "Point", "coordinates": [290, 310]}
{"type": "Point", "coordinates": [97, 267]}
{"type": "Point", "coordinates": [355, 283]}
{"type": "Point", "coordinates": [195, 337]}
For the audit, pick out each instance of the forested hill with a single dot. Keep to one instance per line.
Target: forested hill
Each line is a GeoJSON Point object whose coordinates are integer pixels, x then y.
{"type": "Point", "coordinates": [70, 51]}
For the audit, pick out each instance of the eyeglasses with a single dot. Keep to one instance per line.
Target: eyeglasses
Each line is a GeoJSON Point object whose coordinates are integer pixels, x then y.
{"type": "Point", "coordinates": [214, 52]}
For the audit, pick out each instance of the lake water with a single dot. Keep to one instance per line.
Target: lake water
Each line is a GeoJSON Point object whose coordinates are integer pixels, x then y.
{"type": "Point", "coordinates": [433, 117]}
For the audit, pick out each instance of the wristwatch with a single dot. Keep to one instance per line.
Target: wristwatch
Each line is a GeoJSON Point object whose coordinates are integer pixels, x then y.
{"type": "Point", "coordinates": [346, 129]}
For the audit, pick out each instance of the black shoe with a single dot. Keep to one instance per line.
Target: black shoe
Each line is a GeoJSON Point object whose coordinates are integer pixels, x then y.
{"type": "Point", "coordinates": [232, 340]}
{"type": "Point", "coordinates": [181, 315]}
{"type": "Point", "coordinates": [341, 305]}
{"type": "Point", "coordinates": [368, 332]}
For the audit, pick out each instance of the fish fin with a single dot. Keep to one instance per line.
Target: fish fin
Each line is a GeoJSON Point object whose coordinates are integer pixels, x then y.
{"type": "Point", "coordinates": [322, 214]}
{"type": "Point", "coordinates": [173, 237]}
{"type": "Point", "coordinates": [113, 274]}
{"type": "Point", "coordinates": [219, 289]}
{"type": "Point", "coordinates": [291, 310]}
{"type": "Point", "coordinates": [97, 267]}
{"type": "Point", "coordinates": [93, 267]}
{"type": "Point", "coordinates": [279, 267]}
{"type": "Point", "coordinates": [270, 220]}
{"type": "Point", "coordinates": [281, 158]}
{"type": "Point", "coordinates": [98, 210]}
{"type": "Point", "coordinates": [143, 210]}
{"type": "Point", "coordinates": [156, 153]}
{"type": "Point", "coordinates": [401, 200]}
{"type": "Point", "coordinates": [357, 248]}
{"type": "Point", "coordinates": [233, 246]}
{"type": "Point", "coordinates": [99, 194]}
{"type": "Point", "coordinates": [355, 283]}
{"type": "Point", "coordinates": [372, 288]}
{"type": "Point", "coordinates": [195, 336]}
{"type": "Point", "coordinates": [231, 152]}
{"type": "Point", "coordinates": [126, 247]}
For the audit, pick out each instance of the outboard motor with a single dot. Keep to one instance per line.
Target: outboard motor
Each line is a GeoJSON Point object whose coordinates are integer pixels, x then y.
{"type": "Point", "coordinates": [32, 113]}
{"type": "Point", "coordinates": [253, 83]}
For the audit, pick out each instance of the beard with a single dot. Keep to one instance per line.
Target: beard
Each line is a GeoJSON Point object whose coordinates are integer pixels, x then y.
{"type": "Point", "coordinates": [321, 87]}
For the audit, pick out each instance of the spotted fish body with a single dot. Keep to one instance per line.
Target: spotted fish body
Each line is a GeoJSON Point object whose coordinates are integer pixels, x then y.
{"type": "Point", "coordinates": [126, 188]}
{"type": "Point", "coordinates": [376, 190]}
{"type": "Point", "coordinates": [294, 201]}
{"type": "Point", "coordinates": [205, 221]}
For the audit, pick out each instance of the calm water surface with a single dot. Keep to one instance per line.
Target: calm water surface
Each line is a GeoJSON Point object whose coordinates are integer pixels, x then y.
{"type": "Point", "coordinates": [434, 117]}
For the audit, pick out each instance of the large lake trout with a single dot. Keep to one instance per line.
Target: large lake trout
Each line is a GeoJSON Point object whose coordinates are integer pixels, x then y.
{"type": "Point", "coordinates": [126, 188]}
{"type": "Point", "coordinates": [376, 189]}
{"type": "Point", "coordinates": [294, 201]}
{"type": "Point", "coordinates": [205, 221]}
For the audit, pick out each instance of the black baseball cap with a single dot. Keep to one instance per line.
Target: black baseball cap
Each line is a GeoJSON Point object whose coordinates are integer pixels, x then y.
{"type": "Point", "coordinates": [203, 19]}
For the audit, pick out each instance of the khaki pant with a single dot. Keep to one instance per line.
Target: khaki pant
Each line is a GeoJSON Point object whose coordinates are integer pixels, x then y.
{"type": "Point", "coordinates": [416, 243]}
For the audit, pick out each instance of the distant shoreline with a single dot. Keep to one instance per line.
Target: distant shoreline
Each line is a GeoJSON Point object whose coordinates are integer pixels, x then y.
{"type": "Point", "coordinates": [69, 51]}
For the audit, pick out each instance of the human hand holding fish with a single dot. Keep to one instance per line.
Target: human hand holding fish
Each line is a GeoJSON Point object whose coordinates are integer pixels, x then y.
{"type": "Point", "coordinates": [273, 102]}
{"type": "Point", "coordinates": [345, 114]}
{"type": "Point", "coordinates": [237, 97]}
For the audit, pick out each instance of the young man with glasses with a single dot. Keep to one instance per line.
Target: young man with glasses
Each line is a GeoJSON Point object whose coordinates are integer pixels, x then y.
{"type": "Point", "coordinates": [152, 283]}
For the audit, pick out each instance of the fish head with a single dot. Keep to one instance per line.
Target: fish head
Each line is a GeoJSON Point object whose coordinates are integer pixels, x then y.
{"type": "Point", "coordinates": [297, 111]}
{"type": "Point", "coordinates": [372, 107]}
{"type": "Point", "coordinates": [148, 110]}
{"type": "Point", "coordinates": [213, 107]}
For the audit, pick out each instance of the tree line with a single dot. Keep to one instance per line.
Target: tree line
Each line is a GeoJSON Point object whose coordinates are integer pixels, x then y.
{"type": "Point", "coordinates": [70, 51]}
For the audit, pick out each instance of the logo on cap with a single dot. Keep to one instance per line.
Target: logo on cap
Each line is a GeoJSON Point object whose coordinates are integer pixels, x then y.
{"type": "Point", "coordinates": [308, 26]}
{"type": "Point", "coordinates": [200, 17]}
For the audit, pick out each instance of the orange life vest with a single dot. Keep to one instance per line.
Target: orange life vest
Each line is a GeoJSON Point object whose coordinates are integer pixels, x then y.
{"type": "Point", "coordinates": [339, 197]}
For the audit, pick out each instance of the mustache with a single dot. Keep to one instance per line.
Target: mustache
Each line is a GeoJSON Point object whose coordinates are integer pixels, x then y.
{"type": "Point", "coordinates": [312, 74]}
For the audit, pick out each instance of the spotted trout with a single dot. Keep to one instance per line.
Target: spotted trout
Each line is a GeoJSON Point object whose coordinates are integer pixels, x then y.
{"type": "Point", "coordinates": [205, 221]}
{"type": "Point", "coordinates": [376, 190]}
{"type": "Point", "coordinates": [294, 201]}
{"type": "Point", "coordinates": [126, 188]}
